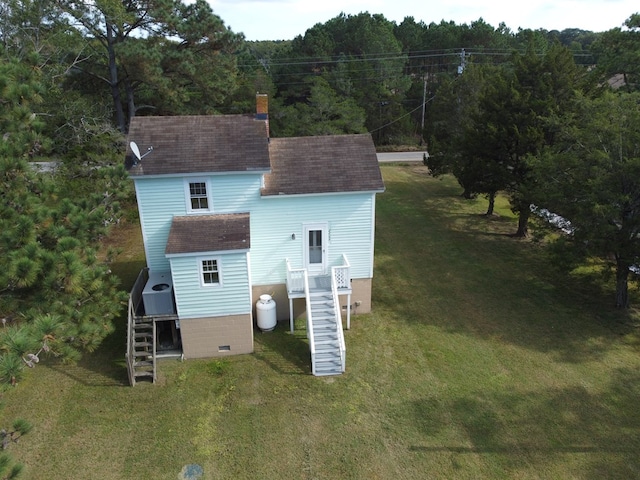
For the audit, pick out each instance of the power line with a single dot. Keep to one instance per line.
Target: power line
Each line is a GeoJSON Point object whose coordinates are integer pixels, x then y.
{"type": "Point", "coordinates": [404, 56]}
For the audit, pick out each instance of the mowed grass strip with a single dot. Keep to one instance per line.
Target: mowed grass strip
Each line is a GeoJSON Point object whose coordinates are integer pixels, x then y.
{"type": "Point", "coordinates": [480, 360]}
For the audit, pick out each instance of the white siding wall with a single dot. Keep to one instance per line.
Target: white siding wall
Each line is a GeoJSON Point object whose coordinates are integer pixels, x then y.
{"type": "Point", "coordinates": [193, 300]}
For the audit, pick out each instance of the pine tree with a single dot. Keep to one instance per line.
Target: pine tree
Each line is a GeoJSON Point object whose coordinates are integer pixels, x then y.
{"type": "Point", "coordinates": [56, 296]}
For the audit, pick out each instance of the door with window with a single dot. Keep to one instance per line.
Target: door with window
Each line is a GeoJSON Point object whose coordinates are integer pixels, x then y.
{"type": "Point", "coordinates": [315, 252]}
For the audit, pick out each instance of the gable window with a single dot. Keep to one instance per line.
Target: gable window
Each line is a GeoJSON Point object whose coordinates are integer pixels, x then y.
{"type": "Point", "coordinates": [210, 272]}
{"type": "Point", "coordinates": [198, 193]}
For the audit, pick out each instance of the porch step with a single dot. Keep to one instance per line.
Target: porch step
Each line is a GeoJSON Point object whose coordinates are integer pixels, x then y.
{"type": "Point", "coordinates": [142, 357]}
{"type": "Point", "coordinates": [143, 363]}
{"type": "Point", "coordinates": [325, 319]}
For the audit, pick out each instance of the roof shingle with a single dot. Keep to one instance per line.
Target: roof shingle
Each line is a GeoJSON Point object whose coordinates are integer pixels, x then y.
{"type": "Point", "coordinates": [199, 144]}
{"type": "Point", "coordinates": [323, 164]}
{"type": "Point", "coordinates": [209, 233]}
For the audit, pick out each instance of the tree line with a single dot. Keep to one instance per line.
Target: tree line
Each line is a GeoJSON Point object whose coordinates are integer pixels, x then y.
{"type": "Point", "coordinates": [529, 113]}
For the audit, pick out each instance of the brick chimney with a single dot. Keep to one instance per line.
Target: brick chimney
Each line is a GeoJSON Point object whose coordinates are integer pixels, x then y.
{"type": "Point", "coordinates": [262, 109]}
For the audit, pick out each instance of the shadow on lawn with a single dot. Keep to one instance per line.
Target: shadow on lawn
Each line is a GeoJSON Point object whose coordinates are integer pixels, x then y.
{"type": "Point", "coordinates": [285, 353]}
{"type": "Point", "coordinates": [535, 430]}
{"type": "Point", "coordinates": [106, 366]}
{"type": "Point", "coordinates": [473, 278]}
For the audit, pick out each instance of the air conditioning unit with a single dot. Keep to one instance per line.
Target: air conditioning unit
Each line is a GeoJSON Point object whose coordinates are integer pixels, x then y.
{"type": "Point", "coordinates": [157, 294]}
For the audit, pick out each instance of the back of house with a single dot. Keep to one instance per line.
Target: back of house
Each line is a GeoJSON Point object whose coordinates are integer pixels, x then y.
{"type": "Point", "coordinates": [228, 213]}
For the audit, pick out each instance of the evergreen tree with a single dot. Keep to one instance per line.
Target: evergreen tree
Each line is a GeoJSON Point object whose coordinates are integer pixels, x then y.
{"type": "Point", "coordinates": [56, 295]}
{"type": "Point", "coordinates": [165, 56]}
{"type": "Point", "coordinates": [592, 178]}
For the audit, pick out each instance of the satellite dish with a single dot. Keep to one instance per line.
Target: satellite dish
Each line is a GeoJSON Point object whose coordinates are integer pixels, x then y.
{"type": "Point", "coordinates": [135, 150]}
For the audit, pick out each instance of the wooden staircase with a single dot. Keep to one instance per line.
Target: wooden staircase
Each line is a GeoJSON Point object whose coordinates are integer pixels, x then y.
{"type": "Point", "coordinates": [141, 336]}
{"type": "Point", "coordinates": [325, 332]}
{"type": "Point", "coordinates": [143, 352]}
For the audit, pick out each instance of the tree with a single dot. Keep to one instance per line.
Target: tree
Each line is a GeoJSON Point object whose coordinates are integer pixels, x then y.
{"type": "Point", "coordinates": [594, 182]}
{"type": "Point", "coordinates": [177, 57]}
{"type": "Point", "coordinates": [56, 295]}
{"type": "Point", "coordinates": [325, 113]}
{"type": "Point", "coordinates": [456, 145]}
{"type": "Point", "coordinates": [360, 58]}
{"type": "Point", "coordinates": [499, 118]}
{"type": "Point", "coordinates": [8, 469]}
{"type": "Point", "coordinates": [618, 53]}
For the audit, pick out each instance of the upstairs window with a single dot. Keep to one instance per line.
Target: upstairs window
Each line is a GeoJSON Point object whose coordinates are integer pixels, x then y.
{"type": "Point", "coordinates": [198, 195]}
{"type": "Point", "coordinates": [210, 272]}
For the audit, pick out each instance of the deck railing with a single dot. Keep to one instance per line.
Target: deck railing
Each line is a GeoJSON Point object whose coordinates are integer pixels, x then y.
{"type": "Point", "coordinates": [312, 346]}
{"type": "Point", "coordinates": [342, 274]}
{"type": "Point", "coordinates": [295, 279]}
{"type": "Point", "coordinates": [338, 317]}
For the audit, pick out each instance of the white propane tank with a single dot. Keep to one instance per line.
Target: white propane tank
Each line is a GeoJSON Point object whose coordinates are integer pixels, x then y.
{"type": "Point", "coordinates": [266, 312]}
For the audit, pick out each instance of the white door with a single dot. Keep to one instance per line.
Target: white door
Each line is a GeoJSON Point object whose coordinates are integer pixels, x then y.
{"type": "Point", "coordinates": [315, 248]}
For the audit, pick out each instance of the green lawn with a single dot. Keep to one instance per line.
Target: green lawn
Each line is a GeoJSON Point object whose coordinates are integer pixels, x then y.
{"type": "Point", "coordinates": [479, 361]}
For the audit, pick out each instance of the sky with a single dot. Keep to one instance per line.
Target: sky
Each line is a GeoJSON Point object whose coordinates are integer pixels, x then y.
{"type": "Point", "coordinates": [286, 19]}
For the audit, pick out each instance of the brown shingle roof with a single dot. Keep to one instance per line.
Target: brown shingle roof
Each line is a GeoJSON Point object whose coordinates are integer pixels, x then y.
{"type": "Point", "coordinates": [198, 144]}
{"type": "Point", "coordinates": [323, 164]}
{"type": "Point", "coordinates": [209, 233]}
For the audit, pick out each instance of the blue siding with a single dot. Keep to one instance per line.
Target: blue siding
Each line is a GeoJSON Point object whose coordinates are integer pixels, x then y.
{"type": "Point", "coordinates": [349, 218]}
{"type": "Point", "coordinates": [273, 221]}
{"type": "Point", "coordinates": [233, 297]}
{"type": "Point", "coordinates": [160, 198]}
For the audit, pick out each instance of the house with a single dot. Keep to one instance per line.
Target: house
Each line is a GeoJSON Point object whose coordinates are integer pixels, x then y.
{"type": "Point", "coordinates": [229, 214]}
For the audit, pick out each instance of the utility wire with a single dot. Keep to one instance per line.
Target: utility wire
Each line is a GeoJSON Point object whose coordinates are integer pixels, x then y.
{"type": "Point", "coordinates": [402, 116]}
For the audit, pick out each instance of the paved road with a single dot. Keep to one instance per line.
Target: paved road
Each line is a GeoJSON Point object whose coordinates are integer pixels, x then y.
{"type": "Point", "coordinates": [400, 157]}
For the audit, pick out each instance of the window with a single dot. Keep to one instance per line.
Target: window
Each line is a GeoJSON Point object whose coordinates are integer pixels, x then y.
{"type": "Point", "coordinates": [210, 272]}
{"type": "Point", "coordinates": [198, 194]}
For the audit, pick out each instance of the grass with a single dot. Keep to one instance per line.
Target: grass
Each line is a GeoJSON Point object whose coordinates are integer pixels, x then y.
{"type": "Point", "coordinates": [480, 360]}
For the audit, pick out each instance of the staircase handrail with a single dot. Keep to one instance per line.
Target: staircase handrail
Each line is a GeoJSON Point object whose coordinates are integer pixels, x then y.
{"type": "Point", "coordinates": [338, 317]}
{"type": "Point", "coordinates": [312, 346]}
{"type": "Point", "coordinates": [129, 354]}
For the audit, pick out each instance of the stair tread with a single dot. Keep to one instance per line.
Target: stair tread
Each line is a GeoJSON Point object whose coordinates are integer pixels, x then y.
{"type": "Point", "coordinates": [145, 373]}
{"type": "Point", "coordinates": [325, 335]}
{"type": "Point", "coordinates": [142, 364]}
{"type": "Point", "coordinates": [326, 328]}
{"type": "Point", "coordinates": [329, 362]}
{"type": "Point", "coordinates": [328, 372]}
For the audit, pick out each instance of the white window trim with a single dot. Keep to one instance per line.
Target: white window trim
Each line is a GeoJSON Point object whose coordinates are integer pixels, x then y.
{"type": "Point", "coordinates": [187, 194]}
{"type": "Point", "coordinates": [201, 272]}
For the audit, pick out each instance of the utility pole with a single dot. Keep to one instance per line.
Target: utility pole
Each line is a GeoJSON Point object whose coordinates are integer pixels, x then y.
{"type": "Point", "coordinates": [424, 104]}
{"type": "Point", "coordinates": [463, 62]}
